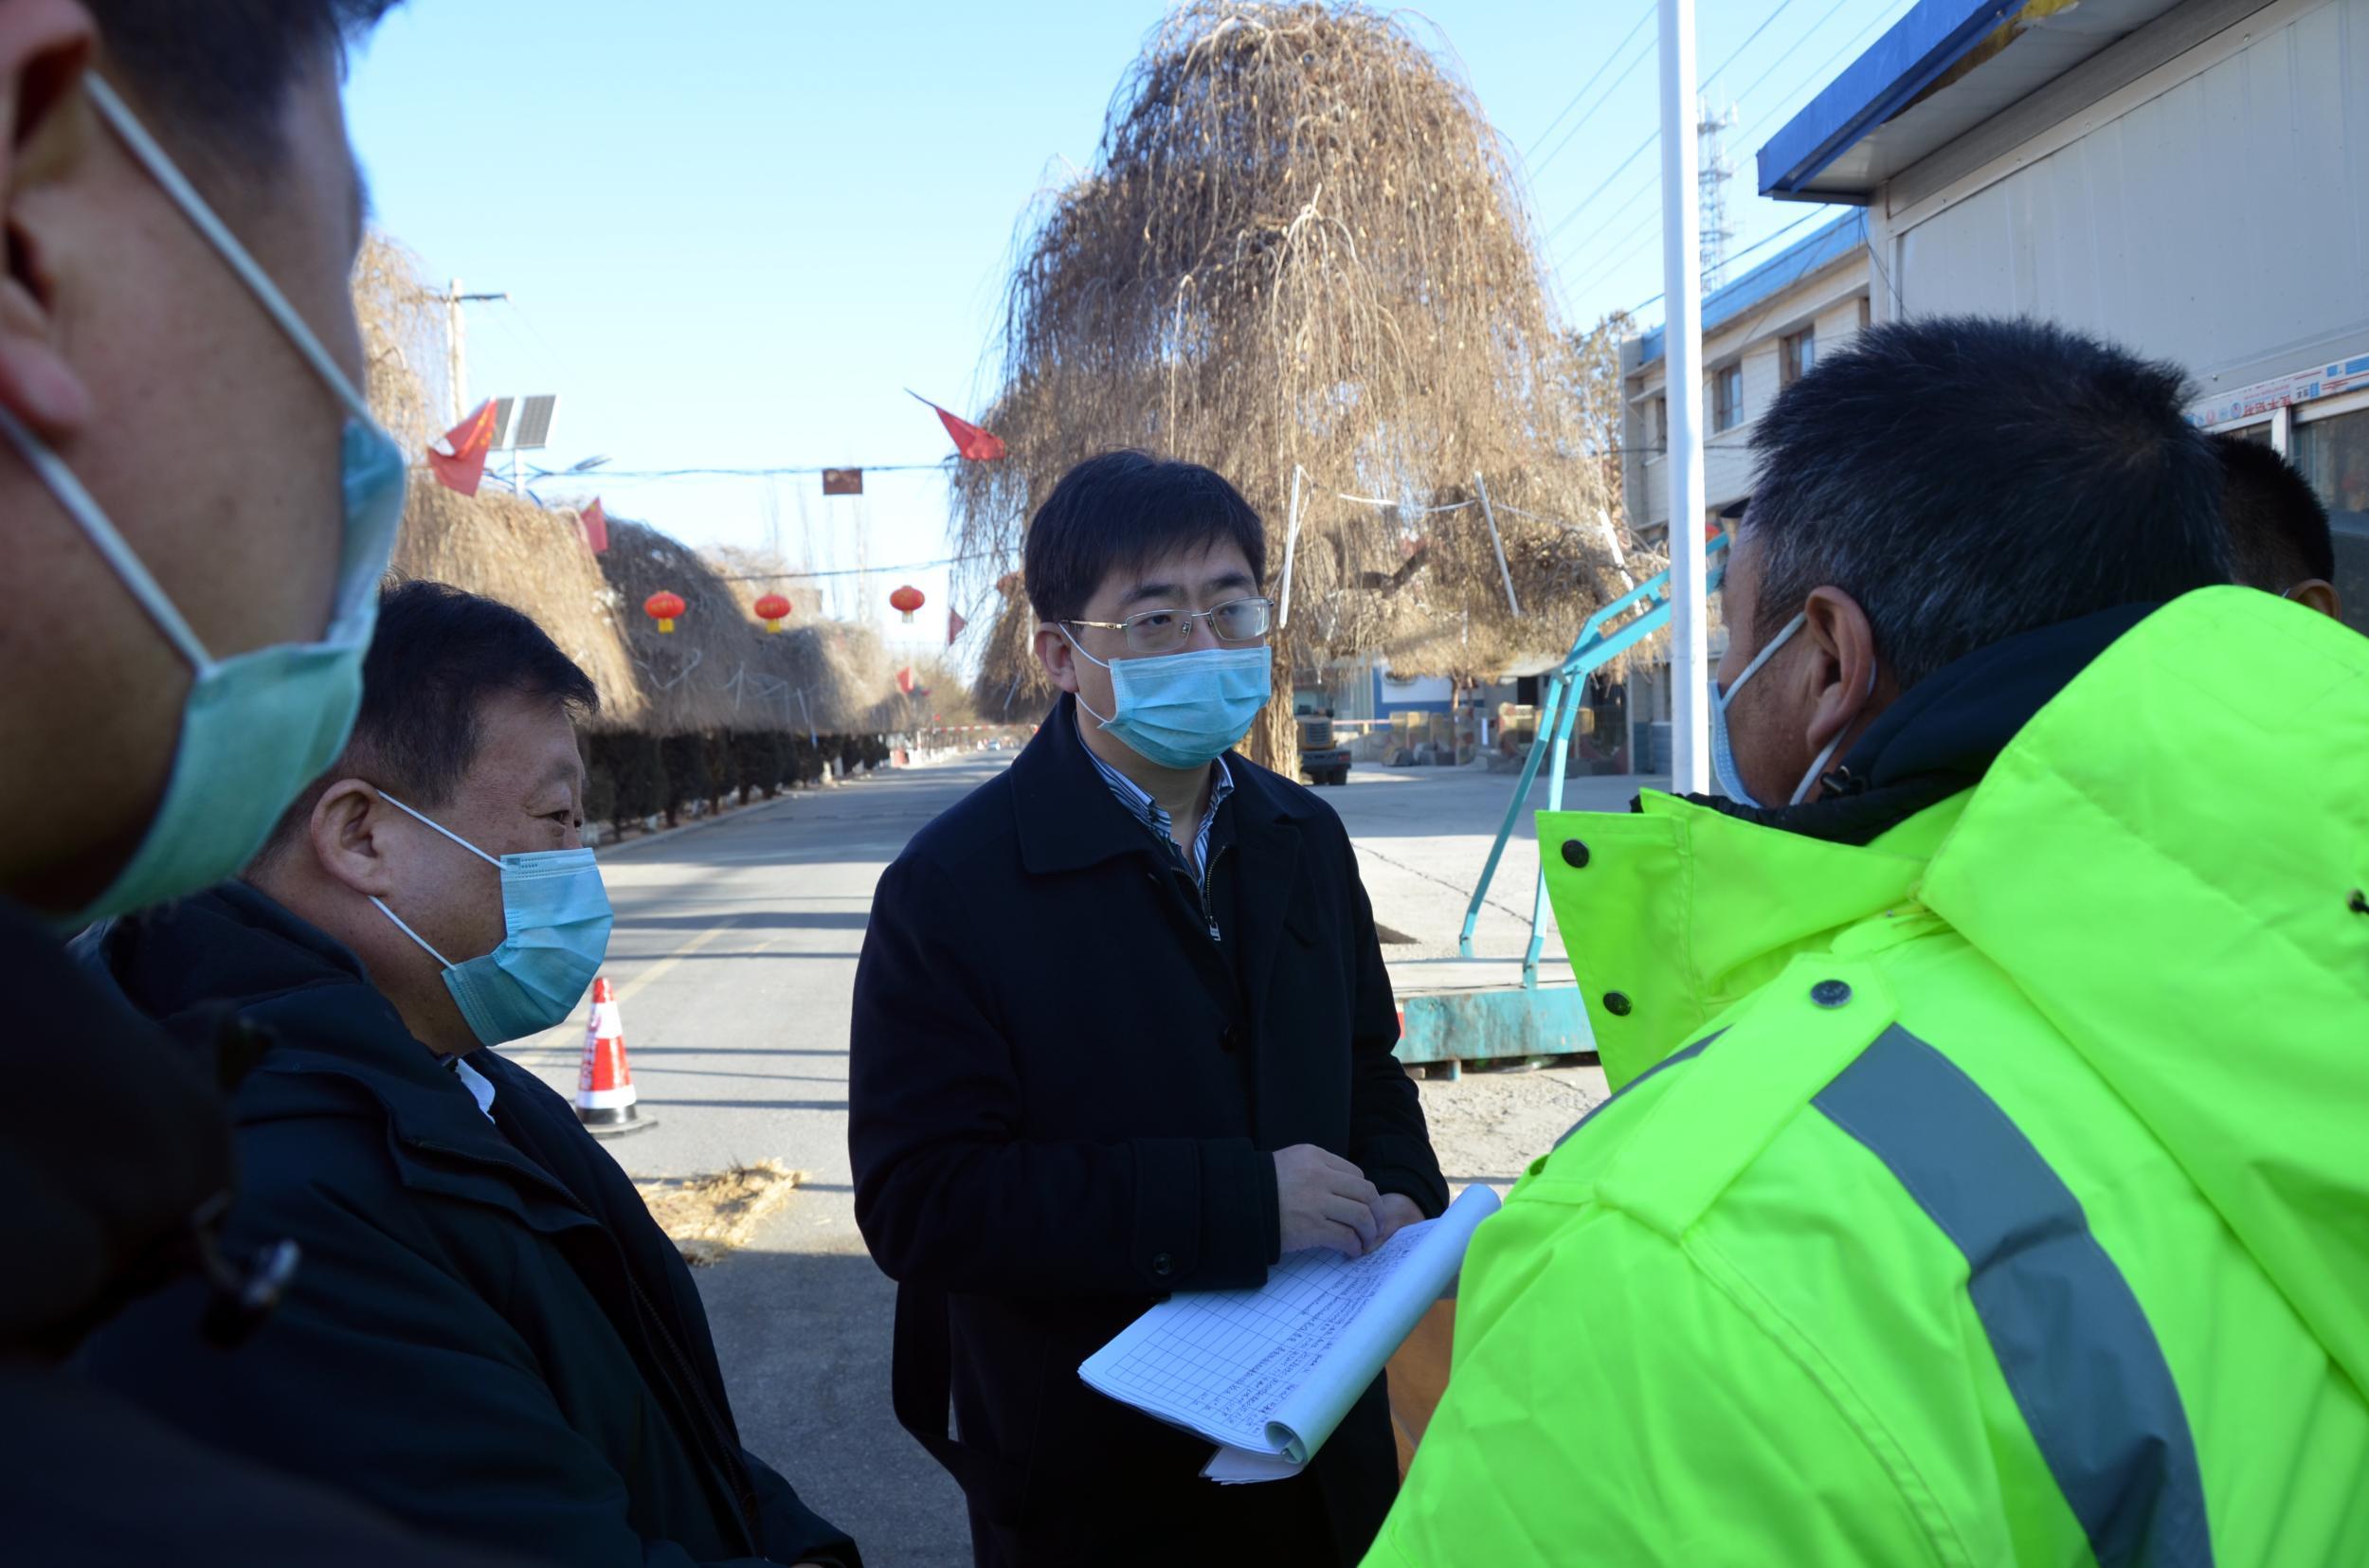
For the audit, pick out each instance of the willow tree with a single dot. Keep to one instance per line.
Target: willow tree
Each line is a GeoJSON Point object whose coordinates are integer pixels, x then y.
{"type": "Point", "coordinates": [1300, 257]}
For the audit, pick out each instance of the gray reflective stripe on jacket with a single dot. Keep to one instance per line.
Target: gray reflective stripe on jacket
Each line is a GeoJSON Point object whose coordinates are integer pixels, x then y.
{"type": "Point", "coordinates": [2070, 1337]}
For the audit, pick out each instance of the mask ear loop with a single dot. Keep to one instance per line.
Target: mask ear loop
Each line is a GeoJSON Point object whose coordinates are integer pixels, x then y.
{"type": "Point", "coordinates": [1079, 650]}
{"type": "Point", "coordinates": [456, 838]}
{"type": "Point", "coordinates": [1818, 767]}
{"type": "Point", "coordinates": [165, 173]}
{"type": "Point", "coordinates": [92, 519]}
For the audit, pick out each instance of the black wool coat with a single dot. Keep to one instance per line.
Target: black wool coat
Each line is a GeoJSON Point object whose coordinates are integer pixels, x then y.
{"type": "Point", "coordinates": [1064, 1097]}
{"type": "Point", "coordinates": [487, 1337]}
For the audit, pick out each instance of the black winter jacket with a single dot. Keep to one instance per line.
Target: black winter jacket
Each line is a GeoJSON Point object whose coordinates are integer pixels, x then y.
{"type": "Point", "coordinates": [488, 1336]}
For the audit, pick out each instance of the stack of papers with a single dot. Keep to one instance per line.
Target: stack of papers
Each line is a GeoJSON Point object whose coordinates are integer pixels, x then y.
{"type": "Point", "coordinates": [1267, 1374]}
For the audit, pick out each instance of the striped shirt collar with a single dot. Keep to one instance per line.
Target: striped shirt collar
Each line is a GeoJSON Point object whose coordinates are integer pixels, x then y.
{"type": "Point", "coordinates": [1141, 807]}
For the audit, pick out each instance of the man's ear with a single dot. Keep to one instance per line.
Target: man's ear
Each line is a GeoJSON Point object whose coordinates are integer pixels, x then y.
{"type": "Point", "coordinates": [46, 46]}
{"type": "Point", "coordinates": [1843, 664]}
{"type": "Point", "coordinates": [2320, 595]}
{"type": "Point", "coordinates": [345, 831]}
{"type": "Point", "coordinates": [1058, 658]}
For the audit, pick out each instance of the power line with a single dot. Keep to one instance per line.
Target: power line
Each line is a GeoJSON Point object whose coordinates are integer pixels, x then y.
{"type": "Point", "coordinates": [1609, 56]}
{"type": "Point", "coordinates": [1703, 85]}
{"type": "Point", "coordinates": [858, 571]}
{"type": "Point", "coordinates": [1577, 126]}
{"type": "Point", "coordinates": [1811, 78]}
{"type": "Point", "coordinates": [595, 476]}
{"type": "Point", "coordinates": [1764, 242]}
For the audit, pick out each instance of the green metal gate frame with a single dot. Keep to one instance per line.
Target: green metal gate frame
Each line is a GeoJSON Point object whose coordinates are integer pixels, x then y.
{"type": "Point", "coordinates": [1646, 608]}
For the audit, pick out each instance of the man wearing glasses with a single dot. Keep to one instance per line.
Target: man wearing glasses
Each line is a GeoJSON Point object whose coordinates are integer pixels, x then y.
{"type": "Point", "coordinates": [1122, 1029]}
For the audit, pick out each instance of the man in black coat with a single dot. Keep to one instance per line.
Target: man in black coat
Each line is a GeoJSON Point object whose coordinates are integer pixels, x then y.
{"type": "Point", "coordinates": [1121, 1029]}
{"type": "Point", "coordinates": [488, 1336]}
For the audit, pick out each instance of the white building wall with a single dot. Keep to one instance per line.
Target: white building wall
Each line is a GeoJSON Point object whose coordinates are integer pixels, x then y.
{"type": "Point", "coordinates": [1829, 301]}
{"type": "Point", "coordinates": [2215, 211]}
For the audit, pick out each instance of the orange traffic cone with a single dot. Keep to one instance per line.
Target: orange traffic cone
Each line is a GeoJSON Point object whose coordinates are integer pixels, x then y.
{"type": "Point", "coordinates": [605, 1097]}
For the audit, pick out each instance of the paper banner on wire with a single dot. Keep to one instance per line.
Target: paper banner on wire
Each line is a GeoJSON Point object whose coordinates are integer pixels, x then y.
{"type": "Point", "coordinates": [595, 526]}
{"type": "Point", "coordinates": [843, 481]}
{"type": "Point", "coordinates": [954, 624]}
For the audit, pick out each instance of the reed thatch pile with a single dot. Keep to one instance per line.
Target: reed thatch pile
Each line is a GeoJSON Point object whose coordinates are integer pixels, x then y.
{"type": "Point", "coordinates": [689, 674]}
{"type": "Point", "coordinates": [533, 560]}
{"type": "Point", "coordinates": [694, 716]}
{"type": "Point", "coordinates": [1301, 248]}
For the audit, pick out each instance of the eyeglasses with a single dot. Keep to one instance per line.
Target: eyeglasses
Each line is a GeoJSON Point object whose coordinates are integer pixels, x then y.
{"type": "Point", "coordinates": [1164, 631]}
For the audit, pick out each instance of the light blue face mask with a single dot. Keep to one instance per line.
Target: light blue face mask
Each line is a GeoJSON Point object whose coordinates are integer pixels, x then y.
{"type": "Point", "coordinates": [1722, 755]}
{"type": "Point", "coordinates": [256, 728]}
{"type": "Point", "coordinates": [556, 916]}
{"type": "Point", "coordinates": [1181, 710]}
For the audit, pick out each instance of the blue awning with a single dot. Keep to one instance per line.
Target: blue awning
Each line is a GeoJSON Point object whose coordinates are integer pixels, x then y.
{"type": "Point", "coordinates": [1942, 69]}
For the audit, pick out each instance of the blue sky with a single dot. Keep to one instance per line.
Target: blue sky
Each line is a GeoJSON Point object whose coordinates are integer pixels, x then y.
{"type": "Point", "coordinates": [733, 231]}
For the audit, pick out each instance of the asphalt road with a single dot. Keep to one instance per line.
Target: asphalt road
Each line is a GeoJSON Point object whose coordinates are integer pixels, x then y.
{"type": "Point", "coordinates": [733, 957]}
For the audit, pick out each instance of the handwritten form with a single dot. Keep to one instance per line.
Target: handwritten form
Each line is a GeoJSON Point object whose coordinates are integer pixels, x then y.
{"type": "Point", "coordinates": [1267, 1374]}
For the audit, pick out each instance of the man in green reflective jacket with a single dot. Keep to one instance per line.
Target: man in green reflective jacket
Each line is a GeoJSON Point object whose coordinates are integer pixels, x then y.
{"type": "Point", "coordinates": [1987, 1180]}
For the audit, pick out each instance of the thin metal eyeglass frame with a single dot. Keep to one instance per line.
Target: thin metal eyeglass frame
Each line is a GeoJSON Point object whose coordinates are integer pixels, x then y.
{"type": "Point", "coordinates": [1185, 619]}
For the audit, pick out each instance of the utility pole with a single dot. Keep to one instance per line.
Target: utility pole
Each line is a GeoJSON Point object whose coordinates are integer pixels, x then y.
{"type": "Point", "coordinates": [456, 347]}
{"type": "Point", "coordinates": [1682, 357]}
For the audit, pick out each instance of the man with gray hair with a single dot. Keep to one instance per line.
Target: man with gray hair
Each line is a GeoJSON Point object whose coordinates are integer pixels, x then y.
{"type": "Point", "coordinates": [1983, 1180]}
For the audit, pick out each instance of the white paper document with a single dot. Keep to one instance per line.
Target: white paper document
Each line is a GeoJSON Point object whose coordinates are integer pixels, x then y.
{"type": "Point", "coordinates": [1267, 1374]}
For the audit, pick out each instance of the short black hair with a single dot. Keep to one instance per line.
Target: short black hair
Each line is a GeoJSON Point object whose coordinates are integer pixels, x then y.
{"type": "Point", "coordinates": [1116, 513]}
{"type": "Point", "coordinates": [223, 69]}
{"type": "Point", "coordinates": [1968, 477]}
{"type": "Point", "coordinates": [438, 653]}
{"type": "Point", "coordinates": [2278, 530]}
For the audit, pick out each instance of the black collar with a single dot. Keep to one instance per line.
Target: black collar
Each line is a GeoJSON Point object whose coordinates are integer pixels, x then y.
{"type": "Point", "coordinates": [1064, 811]}
{"type": "Point", "coordinates": [1942, 735]}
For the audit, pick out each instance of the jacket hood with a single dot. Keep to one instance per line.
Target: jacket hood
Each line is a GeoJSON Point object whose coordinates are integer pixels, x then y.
{"type": "Point", "coordinates": [2166, 862]}
{"type": "Point", "coordinates": [1684, 908]}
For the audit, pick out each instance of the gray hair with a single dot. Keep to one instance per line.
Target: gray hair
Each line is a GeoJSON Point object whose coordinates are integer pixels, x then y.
{"type": "Point", "coordinates": [1965, 478]}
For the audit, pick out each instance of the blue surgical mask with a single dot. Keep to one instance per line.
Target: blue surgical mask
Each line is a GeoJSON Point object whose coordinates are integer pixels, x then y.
{"type": "Point", "coordinates": [1181, 710]}
{"type": "Point", "coordinates": [1722, 755]}
{"type": "Point", "coordinates": [256, 728]}
{"type": "Point", "coordinates": [555, 919]}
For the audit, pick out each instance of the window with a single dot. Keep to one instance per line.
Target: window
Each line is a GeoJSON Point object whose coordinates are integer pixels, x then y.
{"type": "Point", "coordinates": [1866, 312]}
{"type": "Point", "coordinates": [1658, 427]}
{"type": "Point", "coordinates": [1797, 353]}
{"type": "Point", "coordinates": [1726, 398]}
{"type": "Point", "coordinates": [2334, 455]}
{"type": "Point", "coordinates": [2258, 434]}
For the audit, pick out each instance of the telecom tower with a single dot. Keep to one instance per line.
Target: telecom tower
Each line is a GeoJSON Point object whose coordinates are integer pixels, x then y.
{"type": "Point", "coordinates": [1712, 190]}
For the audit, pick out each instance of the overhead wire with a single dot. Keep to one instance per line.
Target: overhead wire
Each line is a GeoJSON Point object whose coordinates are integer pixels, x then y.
{"type": "Point", "coordinates": [1647, 15]}
{"type": "Point", "coordinates": [1626, 71]}
{"type": "Point", "coordinates": [1810, 79]}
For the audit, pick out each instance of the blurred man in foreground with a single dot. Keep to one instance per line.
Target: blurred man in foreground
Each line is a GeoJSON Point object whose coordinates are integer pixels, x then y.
{"type": "Point", "coordinates": [490, 1336]}
{"type": "Point", "coordinates": [184, 656]}
{"type": "Point", "coordinates": [1986, 1178]}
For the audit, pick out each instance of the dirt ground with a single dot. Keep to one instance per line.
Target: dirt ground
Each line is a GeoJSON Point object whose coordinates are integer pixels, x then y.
{"type": "Point", "coordinates": [1488, 1125]}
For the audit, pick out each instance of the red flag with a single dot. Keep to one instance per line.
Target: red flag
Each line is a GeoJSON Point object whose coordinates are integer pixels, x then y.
{"type": "Point", "coordinates": [973, 442]}
{"type": "Point", "coordinates": [954, 624]}
{"type": "Point", "coordinates": [459, 455]}
{"type": "Point", "coordinates": [595, 526]}
{"type": "Point", "coordinates": [905, 681]}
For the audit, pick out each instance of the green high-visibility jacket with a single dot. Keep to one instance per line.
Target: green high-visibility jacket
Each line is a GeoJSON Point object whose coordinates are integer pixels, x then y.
{"type": "Point", "coordinates": [1999, 1192]}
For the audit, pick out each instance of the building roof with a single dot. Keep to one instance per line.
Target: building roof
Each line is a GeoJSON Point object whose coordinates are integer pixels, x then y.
{"type": "Point", "coordinates": [1827, 243]}
{"type": "Point", "coordinates": [1942, 69]}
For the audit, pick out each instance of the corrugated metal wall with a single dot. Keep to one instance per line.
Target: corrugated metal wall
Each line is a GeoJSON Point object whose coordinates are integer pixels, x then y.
{"type": "Point", "coordinates": [2223, 223]}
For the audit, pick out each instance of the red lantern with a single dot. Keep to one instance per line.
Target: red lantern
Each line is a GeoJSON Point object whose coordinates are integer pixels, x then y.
{"type": "Point", "coordinates": [772, 609]}
{"type": "Point", "coordinates": [662, 606]}
{"type": "Point", "coordinates": [907, 600]}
